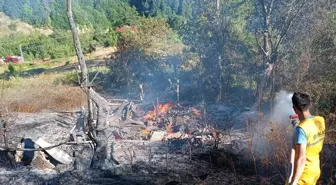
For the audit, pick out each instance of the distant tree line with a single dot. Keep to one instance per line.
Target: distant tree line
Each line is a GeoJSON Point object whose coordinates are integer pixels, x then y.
{"type": "Point", "coordinates": [57, 45]}
{"type": "Point", "coordinates": [95, 13]}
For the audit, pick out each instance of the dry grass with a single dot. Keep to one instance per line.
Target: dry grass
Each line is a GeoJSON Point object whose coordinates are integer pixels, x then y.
{"type": "Point", "coordinates": [279, 141]}
{"type": "Point", "coordinates": [330, 129]}
{"type": "Point", "coordinates": [275, 150]}
{"type": "Point", "coordinates": [270, 150]}
{"type": "Point", "coordinates": [40, 93]}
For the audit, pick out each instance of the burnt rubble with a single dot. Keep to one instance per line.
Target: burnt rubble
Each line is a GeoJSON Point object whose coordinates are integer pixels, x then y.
{"type": "Point", "coordinates": [161, 140]}
{"type": "Point", "coordinates": [151, 144]}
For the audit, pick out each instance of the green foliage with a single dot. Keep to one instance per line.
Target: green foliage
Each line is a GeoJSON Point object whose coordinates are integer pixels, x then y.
{"type": "Point", "coordinates": [57, 45]}
{"type": "Point", "coordinates": [176, 12]}
{"type": "Point", "coordinates": [11, 71]}
{"type": "Point", "coordinates": [153, 37]}
{"type": "Point", "coordinates": [105, 37]}
{"type": "Point", "coordinates": [140, 53]}
{"type": "Point", "coordinates": [122, 14]}
{"type": "Point", "coordinates": [239, 14]}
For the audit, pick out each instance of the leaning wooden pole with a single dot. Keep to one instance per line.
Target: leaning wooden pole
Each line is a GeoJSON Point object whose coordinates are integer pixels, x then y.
{"type": "Point", "coordinates": [99, 135]}
{"type": "Point", "coordinates": [81, 60]}
{"type": "Point", "coordinates": [81, 163]}
{"type": "Point", "coordinates": [84, 77]}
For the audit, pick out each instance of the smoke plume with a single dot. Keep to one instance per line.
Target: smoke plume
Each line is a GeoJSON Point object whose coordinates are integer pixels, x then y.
{"type": "Point", "coordinates": [282, 108]}
{"type": "Point", "coordinates": [261, 142]}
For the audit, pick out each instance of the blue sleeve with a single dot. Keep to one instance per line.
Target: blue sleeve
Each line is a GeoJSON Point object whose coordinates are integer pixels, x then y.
{"type": "Point", "coordinates": [300, 136]}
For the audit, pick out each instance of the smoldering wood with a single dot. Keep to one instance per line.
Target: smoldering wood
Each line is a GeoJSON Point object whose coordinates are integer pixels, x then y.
{"type": "Point", "coordinates": [142, 94]}
{"type": "Point", "coordinates": [3, 130]}
{"type": "Point", "coordinates": [118, 111]}
{"type": "Point", "coordinates": [157, 110]}
{"type": "Point", "coordinates": [133, 123]}
{"type": "Point", "coordinates": [127, 100]}
{"type": "Point", "coordinates": [125, 111]}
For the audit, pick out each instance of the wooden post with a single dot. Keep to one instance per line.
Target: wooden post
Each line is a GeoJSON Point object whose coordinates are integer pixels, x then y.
{"type": "Point", "coordinates": [157, 110]}
{"type": "Point", "coordinates": [21, 53]}
{"type": "Point", "coordinates": [3, 128]}
{"type": "Point", "coordinates": [178, 90]}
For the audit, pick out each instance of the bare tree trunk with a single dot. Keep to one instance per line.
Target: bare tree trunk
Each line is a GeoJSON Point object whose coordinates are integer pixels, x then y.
{"type": "Point", "coordinates": [266, 48]}
{"type": "Point", "coordinates": [102, 153]}
{"type": "Point", "coordinates": [98, 135]}
{"type": "Point", "coordinates": [271, 42]}
{"type": "Point", "coordinates": [79, 52]}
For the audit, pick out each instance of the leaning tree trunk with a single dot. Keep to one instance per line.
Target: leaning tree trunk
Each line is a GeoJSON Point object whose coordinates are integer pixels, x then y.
{"type": "Point", "coordinates": [267, 52]}
{"type": "Point", "coordinates": [96, 133]}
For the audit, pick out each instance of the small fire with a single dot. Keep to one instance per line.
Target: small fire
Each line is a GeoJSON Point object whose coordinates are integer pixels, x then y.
{"type": "Point", "coordinates": [145, 132]}
{"type": "Point", "coordinates": [162, 109]}
{"type": "Point", "coordinates": [196, 112]}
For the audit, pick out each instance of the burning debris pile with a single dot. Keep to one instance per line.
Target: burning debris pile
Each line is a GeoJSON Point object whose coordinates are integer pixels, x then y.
{"type": "Point", "coordinates": [180, 128]}
{"type": "Point", "coordinates": [165, 121]}
{"type": "Point", "coordinates": [147, 139]}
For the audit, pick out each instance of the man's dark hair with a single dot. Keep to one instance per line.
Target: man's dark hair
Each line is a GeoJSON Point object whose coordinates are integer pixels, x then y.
{"type": "Point", "coordinates": [301, 101]}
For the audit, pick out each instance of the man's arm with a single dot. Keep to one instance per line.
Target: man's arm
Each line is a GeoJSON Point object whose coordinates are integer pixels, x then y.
{"type": "Point", "coordinates": [291, 164]}
{"type": "Point", "coordinates": [299, 163]}
{"type": "Point", "coordinates": [292, 158]}
{"type": "Point", "coordinates": [300, 153]}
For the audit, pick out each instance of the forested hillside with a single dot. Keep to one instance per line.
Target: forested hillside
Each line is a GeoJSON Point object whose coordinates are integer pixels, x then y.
{"type": "Point", "coordinates": [93, 13]}
{"type": "Point", "coordinates": [97, 21]}
{"type": "Point", "coordinates": [260, 45]}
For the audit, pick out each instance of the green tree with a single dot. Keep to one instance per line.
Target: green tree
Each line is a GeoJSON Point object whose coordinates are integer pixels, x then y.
{"type": "Point", "coordinates": [121, 14]}
{"type": "Point", "coordinates": [11, 71]}
{"type": "Point", "coordinates": [223, 51]}
{"type": "Point", "coordinates": [140, 51]}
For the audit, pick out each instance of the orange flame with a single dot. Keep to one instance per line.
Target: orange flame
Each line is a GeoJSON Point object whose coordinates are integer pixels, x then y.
{"type": "Point", "coordinates": [162, 109]}
{"type": "Point", "coordinates": [196, 112]}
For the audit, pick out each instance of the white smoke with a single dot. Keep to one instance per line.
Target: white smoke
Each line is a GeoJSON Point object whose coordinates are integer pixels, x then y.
{"type": "Point", "coordinates": [281, 111]}
{"type": "Point", "coordinates": [282, 108]}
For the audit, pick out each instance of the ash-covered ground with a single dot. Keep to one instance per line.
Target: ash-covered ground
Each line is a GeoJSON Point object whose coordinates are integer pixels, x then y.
{"type": "Point", "coordinates": [193, 151]}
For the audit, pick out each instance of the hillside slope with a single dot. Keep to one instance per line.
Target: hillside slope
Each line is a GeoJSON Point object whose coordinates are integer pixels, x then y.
{"type": "Point", "coordinates": [9, 26]}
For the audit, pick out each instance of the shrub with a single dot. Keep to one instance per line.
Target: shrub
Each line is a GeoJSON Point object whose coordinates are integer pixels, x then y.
{"type": "Point", "coordinates": [11, 71]}
{"type": "Point", "coordinates": [67, 79]}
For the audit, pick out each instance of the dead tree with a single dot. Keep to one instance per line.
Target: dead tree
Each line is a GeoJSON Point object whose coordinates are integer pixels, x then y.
{"type": "Point", "coordinates": [272, 33]}
{"type": "Point", "coordinates": [96, 132]}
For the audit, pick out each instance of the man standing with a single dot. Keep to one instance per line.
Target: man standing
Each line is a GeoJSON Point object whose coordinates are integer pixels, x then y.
{"type": "Point", "coordinates": [309, 138]}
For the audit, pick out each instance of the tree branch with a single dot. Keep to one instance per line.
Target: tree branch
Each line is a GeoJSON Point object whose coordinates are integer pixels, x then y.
{"type": "Point", "coordinates": [271, 7]}
{"type": "Point", "coordinates": [258, 43]}
{"type": "Point", "coordinates": [287, 25]}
